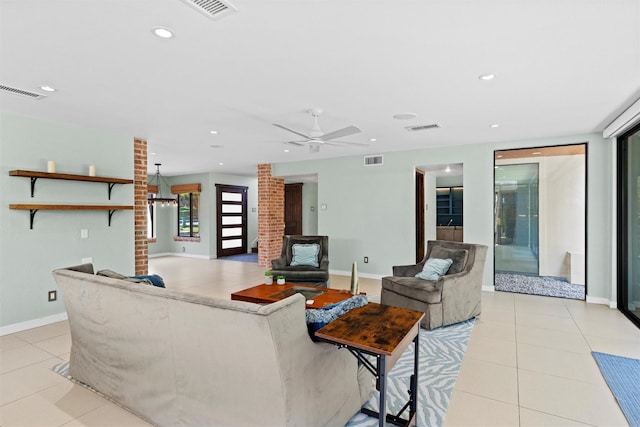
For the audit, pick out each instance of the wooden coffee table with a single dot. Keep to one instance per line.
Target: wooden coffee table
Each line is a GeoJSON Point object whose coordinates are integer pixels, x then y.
{"type": "Point", "coordinates": [384, 332]}
{"type": "Point", "coordinates": [266, 294]}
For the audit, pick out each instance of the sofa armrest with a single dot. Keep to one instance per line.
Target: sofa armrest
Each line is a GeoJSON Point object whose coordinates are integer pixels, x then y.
{"type": "Point", "coordinates": [279, 263]}
{"type": "Point", "coordinates": [324, 263]}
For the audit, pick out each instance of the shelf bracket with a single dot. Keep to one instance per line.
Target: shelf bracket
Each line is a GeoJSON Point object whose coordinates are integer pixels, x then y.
{"type": "Point", "coordinates": [32, 214]}
{"type": "Point", "coordinates": [111, 185]}
{"type": "Point", "coordinates": [111, 212]}
{"type": "Point", "coordinates": [33, 184]}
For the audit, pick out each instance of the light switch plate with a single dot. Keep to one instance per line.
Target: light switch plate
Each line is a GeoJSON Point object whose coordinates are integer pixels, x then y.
{"type": "Point", "coordinates": [84, 233]}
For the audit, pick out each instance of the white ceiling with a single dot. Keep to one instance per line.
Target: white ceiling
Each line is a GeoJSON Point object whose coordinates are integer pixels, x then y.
{"type": "Point", "coordinates": [562, 67]}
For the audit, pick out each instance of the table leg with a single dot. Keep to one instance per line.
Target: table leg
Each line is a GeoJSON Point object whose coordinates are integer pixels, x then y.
{"type": "Point", "coordinates": [382, 372]}
{"type": "Point", "coordinates": [414, 380]}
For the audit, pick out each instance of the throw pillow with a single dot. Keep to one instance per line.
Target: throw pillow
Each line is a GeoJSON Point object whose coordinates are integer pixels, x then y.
{"type": "Point", "coordinates": [153, 278]}
{"type": "Point", "coordinates": [113, 275]}
{"type": "Point", "coordinates": [305, 254]}
{"type": "Point", "coordinates": [434, 268]}
{"type": "Point", "coordinates": [458, 256]}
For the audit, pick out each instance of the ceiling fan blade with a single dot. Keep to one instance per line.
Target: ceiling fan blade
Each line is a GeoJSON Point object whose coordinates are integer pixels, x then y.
{"type": "Point", "coordinates": [359, 144]}
{"type": "Point", "coordinates": [292, 131]}
{"type": "Point", "coordinates": [349, 130]}
{"type": "Point", "coordinates": [296, 143]}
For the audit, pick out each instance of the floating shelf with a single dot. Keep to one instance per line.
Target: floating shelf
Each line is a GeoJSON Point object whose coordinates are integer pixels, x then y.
{"type": "Point", "coordinates": [33, 209]}
{"type": "Point", "coordinates": [34, 175]}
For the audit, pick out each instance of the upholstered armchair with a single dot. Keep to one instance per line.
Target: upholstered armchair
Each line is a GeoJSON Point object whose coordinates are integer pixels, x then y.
{"type": "Point", "coordinates": [304, 259]}
{"type": "Point", "coordinates": [451, 296]}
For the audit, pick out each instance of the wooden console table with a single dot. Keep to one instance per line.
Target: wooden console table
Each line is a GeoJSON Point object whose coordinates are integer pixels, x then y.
{"type": "Point", "coordinates": [384, 332]}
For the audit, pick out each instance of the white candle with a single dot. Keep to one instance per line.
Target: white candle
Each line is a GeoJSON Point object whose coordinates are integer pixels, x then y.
{"type": "Point", "coordinates": [92, 170]}
{"type": "Point", "coordinates": [51, 166]}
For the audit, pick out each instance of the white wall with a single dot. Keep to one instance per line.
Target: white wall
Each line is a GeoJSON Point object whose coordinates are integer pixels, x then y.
{"type": "Point", "coordinates": [370, 209]}
{"type": "Point", "coordinates": [27, 257]}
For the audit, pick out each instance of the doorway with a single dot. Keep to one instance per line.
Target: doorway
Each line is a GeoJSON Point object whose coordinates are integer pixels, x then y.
{"type": "Point", "coordinates": [628, 225]}
{"type": "Point", "coordinates": [231, 220]}
{"type": "Point", "coordinates": [540, 196]}
{"type": "Point", "coordinates": [293, 209]}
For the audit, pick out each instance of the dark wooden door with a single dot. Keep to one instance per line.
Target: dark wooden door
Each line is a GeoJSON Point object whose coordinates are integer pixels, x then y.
{"type": "Point", "coordinates": [420, 207]}
{"type": "Point", "coordinates": [293, 208]}
{"type": "Point", "coordinates": [231, 219]}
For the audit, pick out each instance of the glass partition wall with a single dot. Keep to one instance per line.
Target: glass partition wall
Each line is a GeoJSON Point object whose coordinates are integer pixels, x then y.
{"type": "Point", "coordinates": [629, 224]}
{"type": "Point", "coordinates": [540, 221]}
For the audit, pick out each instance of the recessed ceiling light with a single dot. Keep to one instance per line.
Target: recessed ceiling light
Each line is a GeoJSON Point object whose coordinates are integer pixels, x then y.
{"type": "Point", "coordinates": [495, 125]}
{"type": "Point", "coordinates": [404, 116]}
{"type": "Point", "coordinates": [221, 164]}
{"type": "Point", "coordinates": [286, 150]}
{"type": "Point", "coordinates": [487, 77]}
{"type": "Point", "coordinates": [163, 33]}
{"type": "Point", "coordinates": [48, 88]}
{"type": "Point", "coordinates": [214, 132]}
{"type": "Point", "coordinates": [372, 140]}
{"type": "Point", "coordinates": [152, 153]}
{"type": "Point", "coordinates": [448, 169]}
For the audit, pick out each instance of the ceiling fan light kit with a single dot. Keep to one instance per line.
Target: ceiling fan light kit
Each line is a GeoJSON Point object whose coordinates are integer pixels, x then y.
{"type": "Point", "coordinates": [315, 138]}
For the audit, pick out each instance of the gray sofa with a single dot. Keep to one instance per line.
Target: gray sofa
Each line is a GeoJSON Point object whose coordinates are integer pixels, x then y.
{"type": "Point", "coordinates": [178, 359]}
{"type": "Point", "coordinates": [451, 298]}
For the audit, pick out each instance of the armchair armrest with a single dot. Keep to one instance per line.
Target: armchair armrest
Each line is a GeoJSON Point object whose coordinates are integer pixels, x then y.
{"type": "Point", "coordinates": [324, 263]}
{"type": "Point", "coordinates": [279, 263]}
{"type": "Point", "coordinates": [407, 270]}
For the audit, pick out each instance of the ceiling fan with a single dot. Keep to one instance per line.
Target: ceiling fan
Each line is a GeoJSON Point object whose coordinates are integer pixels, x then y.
{"type": "Point", "coordinates": [315, 138]}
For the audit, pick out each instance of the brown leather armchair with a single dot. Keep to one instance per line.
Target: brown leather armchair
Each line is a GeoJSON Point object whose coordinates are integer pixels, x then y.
{"type": "Point", "coordinates": [318, 276]}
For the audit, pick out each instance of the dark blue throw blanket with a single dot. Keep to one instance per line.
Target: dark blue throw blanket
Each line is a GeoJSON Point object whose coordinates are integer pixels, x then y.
{"type": "Point", "coordinates": [319, 317]}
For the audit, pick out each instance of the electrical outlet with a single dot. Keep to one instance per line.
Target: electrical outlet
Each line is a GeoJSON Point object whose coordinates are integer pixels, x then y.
{"type": "Point", "coordinates": [366, 259]}
{"type": "Point", "coordinates": [52, 295]}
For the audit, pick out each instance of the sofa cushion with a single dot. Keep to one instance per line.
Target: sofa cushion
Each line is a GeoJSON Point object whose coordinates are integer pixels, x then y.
{"type": "Point", "coordinates": [305, 254]}
{"type": "Point", "coordinates": [414, 288]}
{"type": "Point", "coordinates": [458, 256]}
{"type": "Point", "coordinates": [434, 268]}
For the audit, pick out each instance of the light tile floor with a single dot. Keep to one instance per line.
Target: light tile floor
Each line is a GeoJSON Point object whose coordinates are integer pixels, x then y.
{"type": "Point", "coordinates": [528, 362]}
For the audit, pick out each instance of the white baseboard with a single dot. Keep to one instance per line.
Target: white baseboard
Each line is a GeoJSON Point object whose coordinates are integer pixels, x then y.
{"type": "Point", "coordinates": [183, 255]}
{"type": "Point", "coordinates": [488, 288]}
{"type": "Point", "coordinates": [362, 275]}
{"type": "Point", "coordinates": [29, 324]}
{"type": "Point", "coordinates": [603, 301]}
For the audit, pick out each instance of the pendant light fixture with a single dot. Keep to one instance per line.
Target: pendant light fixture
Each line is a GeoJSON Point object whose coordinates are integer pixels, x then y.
{"type": "Point", "coordinates": [159, 199]}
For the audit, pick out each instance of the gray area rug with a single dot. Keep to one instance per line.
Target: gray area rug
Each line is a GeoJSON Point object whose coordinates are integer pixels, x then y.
{"type": "Point", "coordinates": [538, 285]}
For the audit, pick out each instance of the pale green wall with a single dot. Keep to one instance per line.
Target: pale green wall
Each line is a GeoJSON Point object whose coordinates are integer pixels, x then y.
{"type": "Point", "coordinates": [310, 209]}
{"type": "Point", "coordinates": [27, 257]}
{"type": "Point", "coordinates": [369, 214]}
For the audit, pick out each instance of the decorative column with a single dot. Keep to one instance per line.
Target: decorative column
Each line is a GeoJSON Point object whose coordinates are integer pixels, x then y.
{"type": "Point", "coordinates": [140, 206]}
{"type": "Point", "coordinates": [270, 215]}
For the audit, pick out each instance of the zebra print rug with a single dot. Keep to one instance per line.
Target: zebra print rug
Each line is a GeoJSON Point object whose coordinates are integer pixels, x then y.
{"type": "Point", "coordinates": [441, 353]}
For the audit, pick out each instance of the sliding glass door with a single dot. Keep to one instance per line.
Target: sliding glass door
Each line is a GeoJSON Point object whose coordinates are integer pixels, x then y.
{"type": "Point", "coordinates": [629, 224]}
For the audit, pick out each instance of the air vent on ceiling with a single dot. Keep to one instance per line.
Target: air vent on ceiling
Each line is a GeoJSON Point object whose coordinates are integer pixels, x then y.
{"type": "Point", "coordinates": [212, 9]}
{"type": "Point", "coordinates": [422, 127]}
{"type": "Point", "coordinates": [21, 92]}
{"type": "Point", "coordinates": [373, 160]}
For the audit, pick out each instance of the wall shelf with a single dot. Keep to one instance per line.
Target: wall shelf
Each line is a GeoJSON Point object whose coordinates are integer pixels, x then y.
{"type": "Point", "coordinates": [34, 175]}
{"type": "Point", "coordinates": [33, 209]}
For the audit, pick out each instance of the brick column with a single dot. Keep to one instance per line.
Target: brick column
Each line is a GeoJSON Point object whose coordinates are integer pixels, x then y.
{"type": "Point", "coordinates": [140, 206]}
{"type": "Point", "coordinates": [270, 215]}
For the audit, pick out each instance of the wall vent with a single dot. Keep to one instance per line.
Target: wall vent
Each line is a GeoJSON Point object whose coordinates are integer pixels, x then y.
{"type": "Point", "coordinates": [422, 127]}
{"type": "Point", "coordinates": [373, 160]}
{"type": "Point", "coordinates": [21, 92]}
{"type": "Point", "coordinates": [212, 9]}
